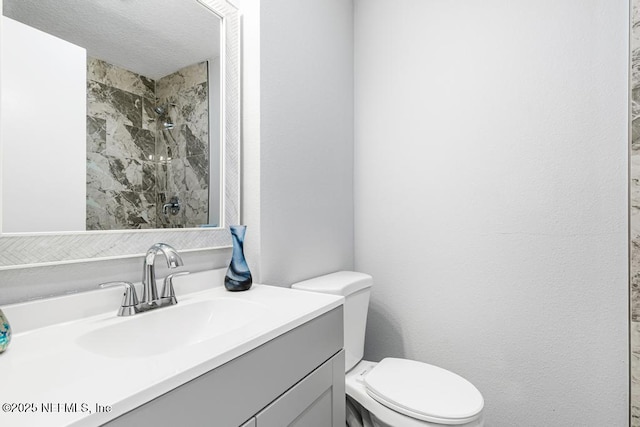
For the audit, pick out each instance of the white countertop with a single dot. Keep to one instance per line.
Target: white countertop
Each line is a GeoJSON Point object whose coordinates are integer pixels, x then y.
{"type": "Point", "coordinates": [45, 368]}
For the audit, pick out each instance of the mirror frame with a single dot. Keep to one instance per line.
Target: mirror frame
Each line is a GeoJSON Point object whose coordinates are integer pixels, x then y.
{"type": "Point", "coordinates": [40, 249]}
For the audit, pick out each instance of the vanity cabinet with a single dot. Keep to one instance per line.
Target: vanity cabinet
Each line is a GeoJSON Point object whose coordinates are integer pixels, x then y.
{"type": "Point", "coordinates": [310, 402]}
{"type": "Point", "coordinates": [296, 379]}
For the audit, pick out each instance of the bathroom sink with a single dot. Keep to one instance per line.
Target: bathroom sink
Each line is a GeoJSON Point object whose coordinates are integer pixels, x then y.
{"type": "Point", "coordinates": [164, 330]}
{"type": "Point", "coordinates": [66, 345]}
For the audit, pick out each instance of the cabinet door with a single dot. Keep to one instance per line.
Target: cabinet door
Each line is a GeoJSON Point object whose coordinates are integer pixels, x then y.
{"type": "Point", "coordinates": [316, 401]}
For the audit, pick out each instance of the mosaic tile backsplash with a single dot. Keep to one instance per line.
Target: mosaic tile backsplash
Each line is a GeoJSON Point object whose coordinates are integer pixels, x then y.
{"type": "Point", "coordinates": [147, 142]}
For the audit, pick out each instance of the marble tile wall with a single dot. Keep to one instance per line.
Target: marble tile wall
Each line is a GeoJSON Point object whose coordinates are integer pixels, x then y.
{"type": "Point", "coordinates": [121, 136]}
{"type": "Point", "coordinates": [635, 213]}
{"type": "Point", "coordinates": [134, 163]}
{"type": "Point", "coordinates": [183, 151]}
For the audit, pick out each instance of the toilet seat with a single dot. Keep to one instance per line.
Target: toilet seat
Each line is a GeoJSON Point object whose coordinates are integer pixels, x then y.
{"type": "Point", "coordinates": [424, 392]}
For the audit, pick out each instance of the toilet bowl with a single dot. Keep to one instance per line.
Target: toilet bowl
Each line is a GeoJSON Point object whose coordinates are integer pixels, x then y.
{"type": "Point", "coordinates": [394, 392]}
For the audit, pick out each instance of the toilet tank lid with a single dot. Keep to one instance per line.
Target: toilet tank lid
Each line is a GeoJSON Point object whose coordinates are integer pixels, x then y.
{"type": "Point", "coordinates": [339, 283]}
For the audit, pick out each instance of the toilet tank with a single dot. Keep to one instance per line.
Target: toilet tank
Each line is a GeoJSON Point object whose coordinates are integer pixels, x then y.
{"type": "Point", "coordinates": [355, 288]}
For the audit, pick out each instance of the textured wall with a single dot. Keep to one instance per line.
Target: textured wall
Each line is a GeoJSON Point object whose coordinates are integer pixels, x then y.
{"type": "Point", "coordinates": [491, 198]}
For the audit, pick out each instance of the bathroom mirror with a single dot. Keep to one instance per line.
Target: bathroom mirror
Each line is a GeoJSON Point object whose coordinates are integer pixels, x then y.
{"type": "Point", "coordinates": [117, 116]}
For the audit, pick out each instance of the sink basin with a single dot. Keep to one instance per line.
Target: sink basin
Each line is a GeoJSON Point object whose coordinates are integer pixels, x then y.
{"type": "Point", "coordinates": [166, 329]}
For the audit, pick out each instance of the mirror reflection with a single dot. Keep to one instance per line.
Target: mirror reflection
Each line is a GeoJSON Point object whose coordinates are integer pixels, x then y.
{"type": "Point", "coordinates": [127, 100]}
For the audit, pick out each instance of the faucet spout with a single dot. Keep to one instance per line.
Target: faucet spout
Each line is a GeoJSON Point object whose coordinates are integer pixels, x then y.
{"type": "Point", "coordinates": [150, 290]}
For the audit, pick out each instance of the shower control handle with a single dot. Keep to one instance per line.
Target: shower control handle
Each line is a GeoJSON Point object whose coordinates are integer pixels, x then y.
{"type": "Point", "coordinates": [173, 206]}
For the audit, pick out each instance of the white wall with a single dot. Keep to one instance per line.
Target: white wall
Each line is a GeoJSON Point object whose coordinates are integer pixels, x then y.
{"type": "Point", "coordinates": [44, 131]}
{"type": "Point", "coordinates": [491, 198]}
{"type": "Point", "coordinates": [306, 139]}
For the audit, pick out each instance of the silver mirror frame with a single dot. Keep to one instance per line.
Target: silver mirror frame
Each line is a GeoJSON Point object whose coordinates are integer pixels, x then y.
{"type": "Point", "coordinates": [40, 249]}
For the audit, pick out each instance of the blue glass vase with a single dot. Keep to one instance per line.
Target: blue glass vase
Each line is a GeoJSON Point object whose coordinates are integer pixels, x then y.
{"type": "Point", "coordinates": [238, 277]}
{"type": "Point", "coordinates": [5, 332]}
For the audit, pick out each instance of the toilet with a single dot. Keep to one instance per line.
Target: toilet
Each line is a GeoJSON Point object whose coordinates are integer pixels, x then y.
{"type": "Point", "coordinates": [393, 392]}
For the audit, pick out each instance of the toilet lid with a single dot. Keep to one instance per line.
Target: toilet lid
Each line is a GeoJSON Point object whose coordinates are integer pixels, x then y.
{"type": "Point", "coordinates": [424, 392]}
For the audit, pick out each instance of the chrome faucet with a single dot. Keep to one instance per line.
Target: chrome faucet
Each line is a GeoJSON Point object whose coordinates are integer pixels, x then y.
{"type": "Point", "coordinates": [149, 288]}
{"type": "Point", "coordinates": [150, 300]}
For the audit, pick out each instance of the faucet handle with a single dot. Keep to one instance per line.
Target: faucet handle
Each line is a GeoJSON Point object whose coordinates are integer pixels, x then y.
{"type": "Point", "coordinates": [167, 289]}
{"type": "Point", "coordinates": [129, 299]}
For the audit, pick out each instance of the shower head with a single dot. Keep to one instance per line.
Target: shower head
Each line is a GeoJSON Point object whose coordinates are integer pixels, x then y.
{"type": "Point", "coordinates": [163, 109]}
{"type": "Point", "coordinates": [163, 113]}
